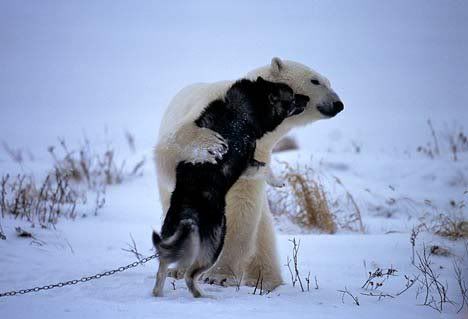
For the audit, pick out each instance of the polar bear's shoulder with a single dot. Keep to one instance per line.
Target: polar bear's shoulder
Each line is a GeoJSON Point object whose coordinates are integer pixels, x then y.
{"type": "Point", "coordinates": [189, 102]}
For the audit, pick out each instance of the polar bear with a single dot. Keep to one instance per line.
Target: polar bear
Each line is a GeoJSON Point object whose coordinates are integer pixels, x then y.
{"type": "Point", "coordinates": [250, 247]}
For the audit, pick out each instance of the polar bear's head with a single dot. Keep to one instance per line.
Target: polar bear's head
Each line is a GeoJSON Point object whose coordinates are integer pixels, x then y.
{"type": "Point", "coordinates": [323, 101]}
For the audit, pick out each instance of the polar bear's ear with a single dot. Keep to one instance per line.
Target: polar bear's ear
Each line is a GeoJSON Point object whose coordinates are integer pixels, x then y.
{"type": "Point", "coordinates": [276, 65]}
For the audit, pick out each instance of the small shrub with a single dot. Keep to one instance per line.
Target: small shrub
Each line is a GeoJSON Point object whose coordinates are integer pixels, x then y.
{"type": "Point", "coordinates": [303, 200]}
{"type": "Point", "coordinates": [43, 203]}
{"type": "Point", "coordinates": [450, 227]}
{"type": "Point", "coordinates": [74, 175]}
{"type": "Point", "coordinates": [92, 167]}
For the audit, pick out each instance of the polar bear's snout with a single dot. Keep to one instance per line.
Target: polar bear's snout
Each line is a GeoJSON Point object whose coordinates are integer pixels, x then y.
{"type": "Point", "coordinates": [331, 107]}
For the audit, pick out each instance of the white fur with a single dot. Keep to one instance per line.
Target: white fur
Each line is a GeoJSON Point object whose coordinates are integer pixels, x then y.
{"type": "Point", "coordinates": [250, 247]}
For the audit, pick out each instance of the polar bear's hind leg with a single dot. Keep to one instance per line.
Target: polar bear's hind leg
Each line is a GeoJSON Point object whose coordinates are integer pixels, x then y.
{"type": "Point", "coordinates": [265, 260]}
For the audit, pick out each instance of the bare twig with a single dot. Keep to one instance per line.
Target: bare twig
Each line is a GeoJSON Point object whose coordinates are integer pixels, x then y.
{"type": "Point", "coordinates": [130, 141]}
{"type": "Point", "coordinates": [307, 279]}
{"type": "Point", "coordinates": [378, 273]}
{"type": "Point", "coordinates": [435, 292]}
{"type": "Point", "coordinates": [297, 276]}
{"type": "Point", "coordinates": [434, 137]}
{"type": "Point", "coordinates": [409, 283]}
{"type": "Point", "coordinates": [238, 280]}
{"type": "Point", "coordinates": [414, 234]}
{"type": "Point", "coordinates": [380, 295]}
{"type": "Point", "coordinates": [461, 285]}
{"type": "Point", "coordinates": [346, 292]}
{"type": "Point", "coordinates": [15, 154]}
{"type": "Point", "coordinates": [288, 264]}
{"type": "Point", "coordinates": [259, 284]}
{"type": "Point", "coordinates": [132, 248]}
{"type": "Point", "coordinates": [2, 233]}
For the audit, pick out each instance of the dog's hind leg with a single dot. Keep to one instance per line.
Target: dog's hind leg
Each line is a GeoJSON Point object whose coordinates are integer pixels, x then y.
{"type": "Point", "coordinates": [191, 278]}
{"type": "Point", "coordinates": [160, 278]}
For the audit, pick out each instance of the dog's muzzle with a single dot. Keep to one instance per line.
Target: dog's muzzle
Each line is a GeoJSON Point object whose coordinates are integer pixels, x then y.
{"type": "Point", "coordinates": [299, 104]}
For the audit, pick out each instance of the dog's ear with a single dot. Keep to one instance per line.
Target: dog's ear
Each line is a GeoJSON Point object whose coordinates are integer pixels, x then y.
{"type": "Point", "coordinates": [260, 80]}
{"type": "Point", "coordinates": [273, 98]}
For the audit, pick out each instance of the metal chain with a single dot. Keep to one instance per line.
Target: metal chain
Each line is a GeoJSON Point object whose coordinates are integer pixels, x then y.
{"type": "Point", "coordinates": [82, 279]}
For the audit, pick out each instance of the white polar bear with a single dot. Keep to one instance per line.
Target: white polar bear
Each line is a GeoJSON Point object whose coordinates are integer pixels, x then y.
{"type": "Point", "coordinates": [250, 248]}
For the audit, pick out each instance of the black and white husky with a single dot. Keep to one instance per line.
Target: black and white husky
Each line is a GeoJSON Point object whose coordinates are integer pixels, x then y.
{"type": "Point", "coordinates": [194, 228]}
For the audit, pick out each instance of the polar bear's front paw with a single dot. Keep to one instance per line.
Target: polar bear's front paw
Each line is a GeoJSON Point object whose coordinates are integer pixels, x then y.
{"type": "Point", "coordinates": [207, 146]}
{"type": "Point", "coordinates": [219, 280]}
{"type": "Point", "coordinates": [266, 284]}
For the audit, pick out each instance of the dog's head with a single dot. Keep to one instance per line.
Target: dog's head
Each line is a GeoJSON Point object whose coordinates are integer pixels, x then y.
{"type": "Point", "coordinates": [278, 103]}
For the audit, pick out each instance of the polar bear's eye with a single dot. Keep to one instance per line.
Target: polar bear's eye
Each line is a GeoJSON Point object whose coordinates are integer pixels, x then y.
{"type": "Point", "coordinates": [315, 82]}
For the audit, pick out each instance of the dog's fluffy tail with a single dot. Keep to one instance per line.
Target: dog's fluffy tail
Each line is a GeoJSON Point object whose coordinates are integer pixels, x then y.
{"type": "Point", "coordinates": [173, 247]}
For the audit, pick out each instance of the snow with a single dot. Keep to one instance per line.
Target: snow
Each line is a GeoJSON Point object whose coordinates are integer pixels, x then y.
{"type": "Point", "coordinates": [98, 69]}
{"type": "Point", "coordinates": [94, 244]}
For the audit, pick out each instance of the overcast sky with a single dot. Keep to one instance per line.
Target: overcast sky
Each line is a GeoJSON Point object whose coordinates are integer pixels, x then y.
{"type": "Point", "coordinates": [68, 67]}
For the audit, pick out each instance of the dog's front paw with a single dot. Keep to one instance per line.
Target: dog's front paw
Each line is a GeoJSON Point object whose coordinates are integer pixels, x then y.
{"type": "Point", "coordinates": [207, 146]}
{"type": "Point", "coordinates": [158, 292]}
{"type": "Point", "coordinates": [176, 273]}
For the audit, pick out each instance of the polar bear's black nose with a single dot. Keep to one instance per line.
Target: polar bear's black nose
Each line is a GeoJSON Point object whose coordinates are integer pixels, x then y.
{"type": "Point", "coordinates": [337, 107]}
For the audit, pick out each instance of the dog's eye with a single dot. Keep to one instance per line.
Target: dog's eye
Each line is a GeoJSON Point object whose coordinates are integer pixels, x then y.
{"type": "Point", "coordinates": [315, 82]}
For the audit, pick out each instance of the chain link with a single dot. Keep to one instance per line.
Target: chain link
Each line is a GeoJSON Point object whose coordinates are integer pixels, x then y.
{"type": "Point", "coordinates": [82, 279]}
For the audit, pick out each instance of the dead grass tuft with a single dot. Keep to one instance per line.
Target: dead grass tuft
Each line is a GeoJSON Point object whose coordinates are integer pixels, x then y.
{"type": "Point", "coordinates": [44, 203]}
{"type": "Point", "coordinates": [303, 200]}
{"type": "Point", "coordinates": [75, 174]}
{"type": "Point", "coordinates": [91, 166]}
{"type": "Point", "coordinates": [450, 227]}
{"type": "Point", "coordinates": [454, 141]}
{"type": "Point", "coordinates": [450, 222]}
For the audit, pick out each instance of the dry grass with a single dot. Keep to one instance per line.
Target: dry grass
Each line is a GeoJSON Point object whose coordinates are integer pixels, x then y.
{"type": "Point", "coordinates": [303, 200]}
{"type": "Point", "coordinates": [450, 227]}
{"type": "Point", "coordinates": [453, 141]}
{"type": "Point", "coordinates": [43, 203]}
{"type": "Point", "coordinates": [15, 154]}
{"type": "Point", "coordinates": [76, 175]}
{"type": "Point", "coordinates": [450, 222]}
{"type": "Point", "coordinates": [87, 165]}
{"type": "Point", "coordinates": [351, 218]}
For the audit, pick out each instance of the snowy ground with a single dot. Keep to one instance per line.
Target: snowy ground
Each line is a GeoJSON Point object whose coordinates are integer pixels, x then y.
{"type": "Point", "coordinates": [94, 244]}
{"type": "Point", "coordinates": [84, 68]}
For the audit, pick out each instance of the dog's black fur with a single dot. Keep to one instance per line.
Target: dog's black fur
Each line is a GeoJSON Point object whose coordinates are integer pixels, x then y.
{"type": "Point", "coordinates": [195, 225]}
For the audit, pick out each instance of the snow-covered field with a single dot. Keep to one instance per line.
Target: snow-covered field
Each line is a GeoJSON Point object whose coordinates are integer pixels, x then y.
{"type": "Point", "coordinates": [101, 68]}
{"type": "Point", "coordinates": [94, 244]}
